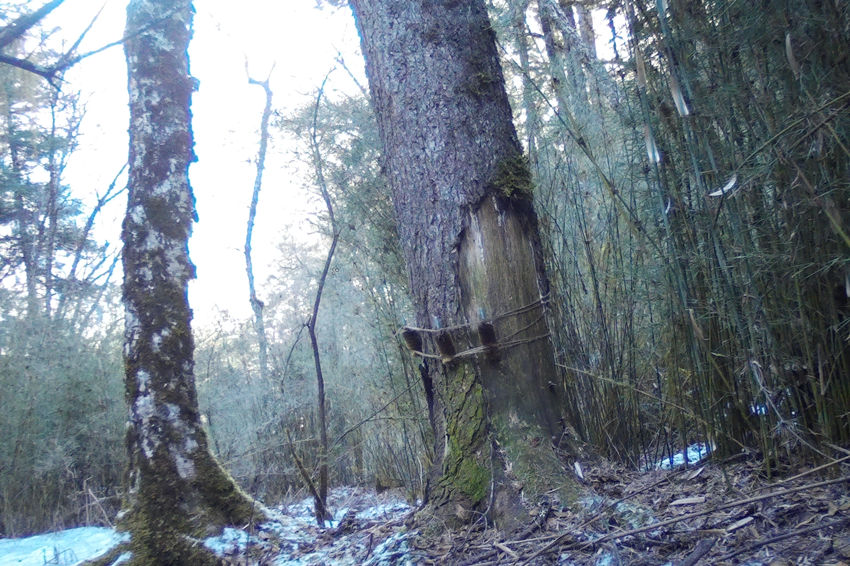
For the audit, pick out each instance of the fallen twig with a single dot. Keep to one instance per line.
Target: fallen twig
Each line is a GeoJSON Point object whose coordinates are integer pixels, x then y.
{"type": "Point", "coordinates": [623, 534]}
{"type": "Point", "coordinates": [560, 538]}
{"type": "Point", "coordinates": [703, 547]}
{"type": "Point", "coordinates": [778, 538]}
{"type": "Point", "coordinates": [305, 475]}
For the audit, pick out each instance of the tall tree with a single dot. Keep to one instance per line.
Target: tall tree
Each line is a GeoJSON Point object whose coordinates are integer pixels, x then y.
{"type": "Point", "coordinates": [256, 304]}
{"type": "Point", "coordinates": [177, 491]}
{"type": "Point", "coordinates": [321, 497]}
{"type": "Point", "coordinates": [462, 194]}
{"type": "Point", "coordinates": [41, 221]}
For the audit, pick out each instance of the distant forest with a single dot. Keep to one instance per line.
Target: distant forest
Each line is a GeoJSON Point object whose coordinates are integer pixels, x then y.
{"type": "Point", "coordinates": [675, 175]}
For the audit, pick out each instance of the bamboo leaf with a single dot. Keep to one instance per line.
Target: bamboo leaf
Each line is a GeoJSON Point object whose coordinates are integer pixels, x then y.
{"type": "Point", "coordinates": [577, 468]}
{"type": "Point", "coordinates": [678, 99]}
{"type": "Point", "coordinates": [651, 149]}
{"type": "Point", "coordinates": [789, 53]}
{"type": "Point", "coordinates": [726, 188]}
{"type": "Point", "coordinates": [738, 524]}
{"type": "Point", "coordinates": [689, 500]}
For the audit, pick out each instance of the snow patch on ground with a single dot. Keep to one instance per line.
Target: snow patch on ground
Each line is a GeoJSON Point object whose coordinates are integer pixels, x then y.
{"type": "Point", "coordinates": [695, 453]}
{"type": "Point", "coordinates": [64, 548]}
{"type": "Point", "coordinates": [228, 542]}
{"type": "Point", "coordinates": [291, 538]}
{"type": "Point", "coordinates": [298, 541]}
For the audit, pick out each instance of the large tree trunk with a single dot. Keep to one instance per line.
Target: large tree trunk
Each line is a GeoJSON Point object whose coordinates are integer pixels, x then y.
{"type": "Point", "coordinates": [177, 491]}
{"type": "Point", "coordinates": [462, 195]}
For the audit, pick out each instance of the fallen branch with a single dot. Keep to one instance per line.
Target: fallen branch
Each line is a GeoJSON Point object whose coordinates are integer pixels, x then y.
{"type": "Point", "coordinates": [623, 534]}
{"type": "Point", "coordinates": [703, 547]}
{"type": "Point", "coordinates": [778, 538]}
{"type": "Point", "coordinates": [322, 508]}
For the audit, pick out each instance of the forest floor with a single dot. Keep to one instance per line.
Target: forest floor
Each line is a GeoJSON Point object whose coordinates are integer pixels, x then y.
{"type": "Point", "coordinates": [710, 513]}
{"type": "Point", "coordinates": [727, 513]}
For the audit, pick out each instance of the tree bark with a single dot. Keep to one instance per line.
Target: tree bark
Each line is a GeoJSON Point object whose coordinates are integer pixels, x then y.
{"type": "Point", "coordinates": [585, 25]}
{"type": "Point", "coordinates": [177, 491]}
{"type": "Point", "coordinates": [462, 195]}
{"type": "Point", "coordinates": [256, 304]}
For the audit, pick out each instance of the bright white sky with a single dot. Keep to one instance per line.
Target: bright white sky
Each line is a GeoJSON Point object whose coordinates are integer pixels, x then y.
{"type": "Point", "coordinates": [302, 41]}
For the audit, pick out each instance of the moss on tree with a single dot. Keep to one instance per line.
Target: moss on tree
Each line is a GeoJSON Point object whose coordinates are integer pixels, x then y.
{"type": "Point", "coordinates": [167, 523]}
{"type": "Point", "coordinates": [466, 474]}
{"type": "Point", "coordinates": [535, 466]}
{"type": "Point", "coordinates": [177, 494]}
{"type": "Point", "coordinates": [513, 178]}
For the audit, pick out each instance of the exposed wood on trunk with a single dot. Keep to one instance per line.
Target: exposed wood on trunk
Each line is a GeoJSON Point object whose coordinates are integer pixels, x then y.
{"type": "Point", "coordinates": [461, 190]}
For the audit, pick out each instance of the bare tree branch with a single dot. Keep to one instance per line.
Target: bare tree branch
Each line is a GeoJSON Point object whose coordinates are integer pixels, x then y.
{"type": "Point", "coordinates": [257, 304]}
{"type": "Point", "coordinates": [67, 59]}
{"type": "Point", "coordinates": [321, 506]}
{"type": "Point", "coordinates": [20, 26]}
{"type": "Point", "coordinates": [47, 73]}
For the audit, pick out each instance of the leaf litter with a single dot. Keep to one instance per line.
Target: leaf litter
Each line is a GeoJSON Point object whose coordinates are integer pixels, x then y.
{"type": "Point", "coordinates": [709, 513]}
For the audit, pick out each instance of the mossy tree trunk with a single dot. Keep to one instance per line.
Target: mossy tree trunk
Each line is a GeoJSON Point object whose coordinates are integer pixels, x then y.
{"type": "Point", "coordinates": [462, 194]}
{"type": "Point", "coordinates": [177, 491]}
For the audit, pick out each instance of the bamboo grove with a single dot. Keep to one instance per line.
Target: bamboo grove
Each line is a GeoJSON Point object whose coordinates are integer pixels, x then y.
{"type": "Point", "coordinates": [690, 161]}
{"type": "Point", "coordinates": [693, 174]}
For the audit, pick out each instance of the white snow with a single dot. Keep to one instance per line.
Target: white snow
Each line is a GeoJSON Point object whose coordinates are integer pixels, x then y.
{"type": "Point", "coordinates": [292, 531]}
{"type": "Point", "coordinates": [64, 548]}
{"type": "Point", "coordinates": [228, 542]}
{"type": "Point", "coordinates": [695, 453]}
{"type": "Point", "coordinates": [302, 543]}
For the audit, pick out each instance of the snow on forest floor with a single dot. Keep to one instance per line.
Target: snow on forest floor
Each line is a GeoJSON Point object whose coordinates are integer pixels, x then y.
{"type": "Point", "coordinates": [62, 548]}
{"type": "Point", "coordinates": [710, 513]}
{"type": "Point", "coordinates": [367, 529]}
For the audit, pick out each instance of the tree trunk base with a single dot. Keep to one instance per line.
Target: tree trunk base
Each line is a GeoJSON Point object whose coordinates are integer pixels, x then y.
{"type": "Point", "coordinates": [493, 464]}
{"type": "Point", "coordinates": [167, 523]}
{"type": "Point", "coordinates": [517, 475]}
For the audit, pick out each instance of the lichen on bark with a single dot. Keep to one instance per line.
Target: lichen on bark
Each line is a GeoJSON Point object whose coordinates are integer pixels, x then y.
{"type": "Point", "coordinates": [177, 494]}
